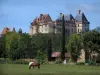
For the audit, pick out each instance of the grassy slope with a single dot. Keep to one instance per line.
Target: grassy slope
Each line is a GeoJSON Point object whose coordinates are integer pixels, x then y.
{"type": "Point", "coordinates": [14, 69]}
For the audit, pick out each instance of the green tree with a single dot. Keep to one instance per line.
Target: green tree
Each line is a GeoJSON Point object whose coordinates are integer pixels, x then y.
{"type": "Point", "coordinates": [74, 46]}
{"type": "Point", "coordinates": [13, 53]}
{"type": "Point", "coordinates": [2, 47]}
{"type": "Point", "coordinates": [41, 41]}
{"type": "Point", "coordinates": [49, 49]}
{"type": "Point", "coordinates": [97, 29]}
{"type": "Point", "coordinates": [20, 31]}
{"type": "Point", "coordinates": [63, 38]}
{"type": "Point", "coordinates": [91, 42]}
{"type": "Point", "coordinates": [40, 57]}
{"type": "Point", "coordinates": [14, 30]}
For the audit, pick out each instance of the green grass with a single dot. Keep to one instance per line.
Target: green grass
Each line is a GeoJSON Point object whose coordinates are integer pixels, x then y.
{"type": "Point", "coordinates": [16, 69]}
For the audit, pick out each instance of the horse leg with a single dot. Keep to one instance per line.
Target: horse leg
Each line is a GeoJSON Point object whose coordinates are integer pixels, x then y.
{"type": "Point", "coordinates": [38, 66]}
{"type": "Point", "coordinates": [29, 67]}
{"type": "Point", "coordinates": [33, 66]}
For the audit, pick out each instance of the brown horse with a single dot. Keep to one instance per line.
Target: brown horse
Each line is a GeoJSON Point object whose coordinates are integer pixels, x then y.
{"type": "Point", "coordinates": [33, 64]}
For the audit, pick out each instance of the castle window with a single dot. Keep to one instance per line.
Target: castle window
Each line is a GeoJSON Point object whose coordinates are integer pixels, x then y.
{"type": "Point", "coordinates": [78, 25]}
{"type": "Point", "coordinates": [85, 29]}
{"type": "Point", "coordinates": [66, 30]}
{"type": "Point", "coordinates": [78, 29]}
{"type": "Point", "coordinates": [72, 29]}
{"type": "Point", "coordinates": [44, 17]}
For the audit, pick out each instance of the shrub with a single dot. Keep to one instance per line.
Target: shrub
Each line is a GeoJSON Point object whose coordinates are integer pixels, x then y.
{"type": "Point", "coordinates": [58, 61]}
{"type": "Point", "coordinates": [20, 62]}
{"type": "Point", "coordinates": [80, 63]}
{"type": "Point", "coordinates": [92, 62]}
{"type": "Point", "coordinates": [40, 57]}
{"type": "Point", "coordinates": [4, 60]}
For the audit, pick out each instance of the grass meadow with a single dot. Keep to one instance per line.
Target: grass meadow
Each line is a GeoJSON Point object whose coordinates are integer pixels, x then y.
{"type": "Point", "coordinates": [21, 69]}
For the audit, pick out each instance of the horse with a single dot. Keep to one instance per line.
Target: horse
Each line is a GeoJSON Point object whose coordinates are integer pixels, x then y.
{"type": "Point", "coordinates": [34, 64]}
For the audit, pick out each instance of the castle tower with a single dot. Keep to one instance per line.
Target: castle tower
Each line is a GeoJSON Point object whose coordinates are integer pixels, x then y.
{"type": "Point", "coordinates": [82, 24]}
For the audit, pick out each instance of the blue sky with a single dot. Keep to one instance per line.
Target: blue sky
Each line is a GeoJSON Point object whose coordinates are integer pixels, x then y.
{"type": "Point", "coordinates": [19, 13]}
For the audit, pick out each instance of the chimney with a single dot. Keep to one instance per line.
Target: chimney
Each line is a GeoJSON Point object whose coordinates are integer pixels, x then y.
{"type": "Point", "coordinates": [79, 11]}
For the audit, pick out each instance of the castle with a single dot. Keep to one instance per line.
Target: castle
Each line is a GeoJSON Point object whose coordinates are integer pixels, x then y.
{"type": "Point", "coordinates": [44, 24]}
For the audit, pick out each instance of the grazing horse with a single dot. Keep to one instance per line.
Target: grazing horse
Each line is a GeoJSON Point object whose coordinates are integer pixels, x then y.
{"type": "Point", "coordinates": [33, 64]}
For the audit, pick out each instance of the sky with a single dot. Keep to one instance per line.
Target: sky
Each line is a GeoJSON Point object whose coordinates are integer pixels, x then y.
{"type": "Point", "coordinates": [20, 13]}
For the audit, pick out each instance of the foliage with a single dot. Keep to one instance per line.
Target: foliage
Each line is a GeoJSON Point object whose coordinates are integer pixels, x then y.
{"type": "Point", "coordinates": [58, 61]}
{"type": "Point", "coordinates": [16, 46]}
{"type": "Point", "coordinates": [13, 30]}
{"type": "Point", "coordinates": [80, 63]}
{"type": "Point", "coordinates": [92, 36]}
{"type": "Point", "coordinates": [40, 41]}
{"type": "Point", "coordinates": [63, 39]}
{"type": "Point", "coordinates": [97, 29]}
{"type": "Point", "coordinates": [20, 31]}
{"type": "Point", "coordinates": [49, 49]}
{"type": "Point", "coordinates": [19, 61]}
{"type": "Point", "coordinates": [22, 45]}
{"type": "Point", "coordinates": [74, 46]}
{"type": "Point", "coordinates": [2, 48]}
{"type": "Point", "coordinates": [40, 57]}
{"type": "Point", "coordinates": [92, 42]}
{"type": "Point", "coordinates": [13, 52]}
{"type": "Point", "coordinates": [9, 37]}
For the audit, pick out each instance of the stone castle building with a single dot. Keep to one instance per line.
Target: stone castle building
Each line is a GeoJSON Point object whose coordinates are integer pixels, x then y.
{"type": "Point", "coordinates": [5, 30]}
{"type": "Point", "coordinates": [44, 24]}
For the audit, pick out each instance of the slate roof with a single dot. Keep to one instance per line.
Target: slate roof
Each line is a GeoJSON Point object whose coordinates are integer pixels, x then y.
{"type": "Point", "coordinates": [44, 18]}
{"type": "Point", "coordinates": [69, 17]}
{"type": "Point", "coordinates": [35, 21]}
{"type": "Point", "coordinates": [81, 18]}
